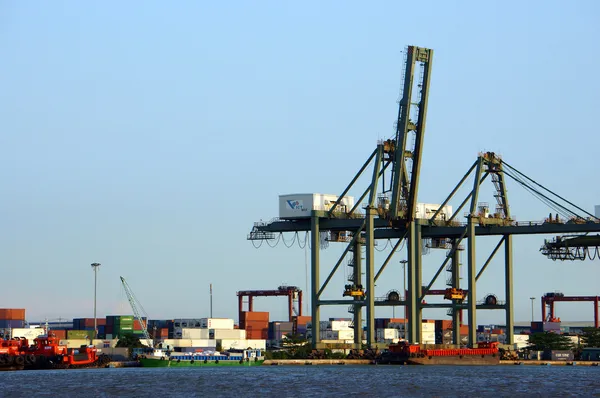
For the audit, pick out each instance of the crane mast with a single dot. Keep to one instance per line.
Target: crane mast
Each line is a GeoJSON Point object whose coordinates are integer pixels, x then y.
{"type": "Point", "coordinates": [133, 302]}
{"type": "Point", "coordinates": [411, 119]}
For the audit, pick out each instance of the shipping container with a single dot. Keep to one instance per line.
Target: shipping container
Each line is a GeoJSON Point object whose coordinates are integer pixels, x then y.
{"type": "Point", "coordinates": [61, 334]}
{"type": "Point", "coordinates": [301, 320]}
{"type": "Point", "coordinates": [12, 314]}
{"type": "Point", "coordinates": [232, 334]}
{"type": "Point", "coordinates": [87, 323]}
{"type": "Point", "coordinates": [340, 325]}
{"type": "Point", "coordinates": [254, 316]}
{"type": "Point", "coordinates": [558, 355]}
{"type": "Point", "coordinates": [216, 323]}
{"type": "Point", "coordinates": [192, 333]}
{"type": "Point", "coordinates": [11, 323]}
{"type": "Point", "coordinates": [300, 205]}
{"type": "Point", "coordinates": [28, 333]}
{"type": "Point", "coordinates": [383, 334]}
{"type": "Point", "coordinates": [80, 334]}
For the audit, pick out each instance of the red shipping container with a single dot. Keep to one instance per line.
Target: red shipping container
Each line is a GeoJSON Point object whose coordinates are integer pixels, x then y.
{"type": "Point", "coordinates": [164, 332]}
{"type": "Point", "coordinates": [137, 325]}
{"type": "Point", "coordinates": [61, 334]}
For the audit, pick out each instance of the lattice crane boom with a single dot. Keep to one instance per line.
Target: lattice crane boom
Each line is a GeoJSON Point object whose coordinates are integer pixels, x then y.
{"type": "Point", "coordinates": [133, 302]}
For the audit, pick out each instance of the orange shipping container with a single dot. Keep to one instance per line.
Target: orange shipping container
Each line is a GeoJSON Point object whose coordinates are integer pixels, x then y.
{"type": "Point", "coordinates": [497, 331]}
{"type": "Point", "coordinates": [302, 320]}
{"type": "Point", "coordinates": [464, 329]}
{"type": "Point", "coordinates": [254, 316]}
{"type": "Point", "coordinates": [12, 314]}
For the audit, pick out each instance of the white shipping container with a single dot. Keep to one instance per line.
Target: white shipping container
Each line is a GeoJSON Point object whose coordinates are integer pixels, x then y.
{"type": "Point", "coordinates": [427, 327]}
{"type": "Point", "coordinates": [28, 333]}
{"type": "Point", "coordinates": [231, 334]}
{"type": "Point", "coordinates": [300, 205]}
{"type": "Point", "coordinates": [187, 333]}
{"type": "Point", "coordinates": [339, 325]}
{"type": "Point", "coordinates": [190, 342]}
{"type": "Point", "coordinates": [257, 344]}
{"type": "Point", "coordinates": [521, 338]}
{"type": "Point", "coordinates": [342, 334]}
{"type": "Point", "coordinates": [238, 344]}
{"type": "Point", "coordinates": [383, 334]}
{"type": "Point", "coordinates": [216, 323]}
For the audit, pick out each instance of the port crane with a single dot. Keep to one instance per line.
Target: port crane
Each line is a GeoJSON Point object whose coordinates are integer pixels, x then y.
{"type": "Point", "coordinates": [135, 306]}
{"type": "Point", "coordinates": [391, 214]}
{"type": "Point", "coordinates": [550, 298]}
{"type": "Point", "coordinates": [293, 293]}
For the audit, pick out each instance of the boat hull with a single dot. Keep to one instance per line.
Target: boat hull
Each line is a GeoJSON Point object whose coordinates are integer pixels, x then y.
{"type": "Point", "coordinates": [164, 363]}
{"type": "Point", "coordinates": [441, 360]}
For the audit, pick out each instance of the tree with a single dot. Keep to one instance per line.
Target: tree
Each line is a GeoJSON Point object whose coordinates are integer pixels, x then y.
{"type": "Point", "coordinates": [549, 341]}
{"type": "Point", "coordinates": [590, 337]}
{"type": "Point", "coordinates": [129, 341]}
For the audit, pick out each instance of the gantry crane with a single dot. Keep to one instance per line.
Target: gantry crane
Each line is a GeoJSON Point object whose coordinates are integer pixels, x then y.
{"type": "Point", "coordinates": [549, 299]}
{"type": "Point", "coordinates": [134, 303]}
{"type": "Point", "coordinates": [392, 215]}
{"type": "Point", "coordinates": [293, 293]}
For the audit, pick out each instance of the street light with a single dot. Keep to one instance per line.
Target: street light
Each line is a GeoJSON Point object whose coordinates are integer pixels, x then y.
{"type": "Point", "coordinates": [95, 267]}
{"type": "Point", "coordinates": [532, 300]}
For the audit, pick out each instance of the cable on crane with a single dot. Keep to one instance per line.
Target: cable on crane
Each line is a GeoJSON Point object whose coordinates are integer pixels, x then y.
{"type": "Point", "coordinates": [276, 242]}
{"type": "Point", "coordinates": [387, 243]}
{"type": "Point", "coordinates": [260, 242]}
{"type": "Point", "coordinates": [553, 193]}
{"type": "Point", "coordinates": [293, 240]}
{"type": "Point", "coordinates": [305, 241]}
{"type": "Point", "coordinates": [562, 210]}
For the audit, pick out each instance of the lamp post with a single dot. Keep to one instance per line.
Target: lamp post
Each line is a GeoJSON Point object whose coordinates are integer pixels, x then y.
{"type": "Point", "coordinates": [95, 267]}
{"type": "Point", "coordinates": [403, 262]}
{"type": "Point", "coordinates": [532, 300]}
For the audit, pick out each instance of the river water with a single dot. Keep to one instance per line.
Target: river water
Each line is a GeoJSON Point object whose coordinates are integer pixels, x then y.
{"type": "Point", "coordinates": [308, 381]}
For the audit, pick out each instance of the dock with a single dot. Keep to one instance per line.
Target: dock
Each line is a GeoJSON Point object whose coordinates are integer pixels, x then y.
{"type": "Point", "coordinates": [296, 362]}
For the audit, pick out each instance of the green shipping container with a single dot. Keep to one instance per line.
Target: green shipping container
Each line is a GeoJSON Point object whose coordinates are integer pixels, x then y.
{"type": "Point", "coordinates": [80, 334]}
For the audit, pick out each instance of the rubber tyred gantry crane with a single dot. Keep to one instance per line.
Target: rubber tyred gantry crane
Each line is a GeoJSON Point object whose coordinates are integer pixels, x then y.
{"type": "Point", "coordinates": [549, 299]}
{"type": "Point", "coordinates": [292, 292]}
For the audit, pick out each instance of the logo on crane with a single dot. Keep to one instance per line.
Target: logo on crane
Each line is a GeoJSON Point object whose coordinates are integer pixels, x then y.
{"type": "Point", "coordinates": [296, 205]}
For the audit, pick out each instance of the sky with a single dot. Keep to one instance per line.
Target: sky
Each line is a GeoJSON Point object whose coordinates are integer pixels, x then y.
{"type": "Point", "coordinates": [150, 137]}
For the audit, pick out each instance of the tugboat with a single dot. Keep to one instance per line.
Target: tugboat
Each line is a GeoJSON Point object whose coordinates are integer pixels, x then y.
{"type": "Point", "coordinates": [422, 354]}
{"type": "Point", "coordinates": [10, 355]}
{"type": "Point", "coordinates": [47, 353]}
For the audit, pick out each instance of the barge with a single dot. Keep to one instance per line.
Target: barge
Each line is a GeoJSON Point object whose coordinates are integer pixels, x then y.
{"type": "Point", "coordinates": [423, 354]}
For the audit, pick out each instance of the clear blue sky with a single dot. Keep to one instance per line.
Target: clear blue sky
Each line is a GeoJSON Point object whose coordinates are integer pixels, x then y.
{"type": "Point", "coordinates": [149, 138]}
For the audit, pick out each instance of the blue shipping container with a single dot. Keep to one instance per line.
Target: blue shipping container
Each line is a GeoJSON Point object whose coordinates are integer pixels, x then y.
{"type": "Point", "coordinates": [11, 324]}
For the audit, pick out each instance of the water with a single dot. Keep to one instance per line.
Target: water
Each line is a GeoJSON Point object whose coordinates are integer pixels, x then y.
{"type": "Point", "coordinates": [308, 381]}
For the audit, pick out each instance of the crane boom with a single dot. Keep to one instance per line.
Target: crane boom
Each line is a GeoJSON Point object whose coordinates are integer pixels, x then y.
{"type": "Point", "coordinates": [133, 301]}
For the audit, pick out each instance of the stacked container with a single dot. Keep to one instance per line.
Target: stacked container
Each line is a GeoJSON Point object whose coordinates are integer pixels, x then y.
{"type": "Point", "coordinates": [256, 325]}
{"type": "Point", "coordinates": [177, 325]}
{"type": "Point", "coordinates": [120, 325]}
{"type": "Point", "coordinates": [278, 330]}
{"type": "Point", "coordinates": [11, 318]}
{"type": "Point", "coordinates": [299, 324]}
{"type": "Point", "coordinates": [87, 323]}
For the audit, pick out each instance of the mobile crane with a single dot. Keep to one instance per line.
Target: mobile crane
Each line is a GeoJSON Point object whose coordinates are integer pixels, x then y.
{"type": "Point", "coordinates": [134, 303]}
